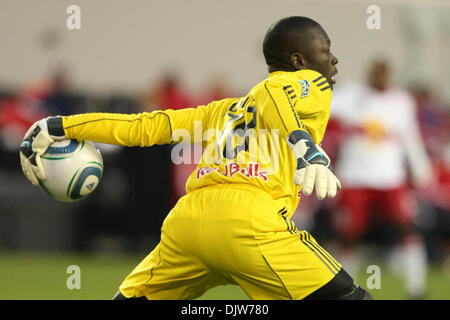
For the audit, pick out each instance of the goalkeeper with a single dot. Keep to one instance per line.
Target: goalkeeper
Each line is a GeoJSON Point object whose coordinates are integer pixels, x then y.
{"type": "Point", "coordinates": [233, 226]}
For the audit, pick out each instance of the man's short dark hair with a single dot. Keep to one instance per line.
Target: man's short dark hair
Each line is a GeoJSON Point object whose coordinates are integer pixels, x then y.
{"type": "Point", "coordinates": [284, 37]}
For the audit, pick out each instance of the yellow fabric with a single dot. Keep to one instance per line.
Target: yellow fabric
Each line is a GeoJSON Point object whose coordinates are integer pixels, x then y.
{"type": "Point", "coordinates": [231, 235]}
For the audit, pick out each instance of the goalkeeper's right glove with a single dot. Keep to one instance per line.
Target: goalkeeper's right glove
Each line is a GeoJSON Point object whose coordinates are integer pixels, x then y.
{"type": "Point", "coordinates": [34, 144]}
{"type": "Point", "coordinates": [313, 166]}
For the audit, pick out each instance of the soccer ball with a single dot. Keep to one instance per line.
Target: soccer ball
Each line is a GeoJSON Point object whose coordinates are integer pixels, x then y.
{"type": "Point", "coordinates": [73, 169]}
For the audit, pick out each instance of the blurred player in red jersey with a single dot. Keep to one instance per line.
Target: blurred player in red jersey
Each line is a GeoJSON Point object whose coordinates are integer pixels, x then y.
{"type": "Point", "coordinates": [382, 140]}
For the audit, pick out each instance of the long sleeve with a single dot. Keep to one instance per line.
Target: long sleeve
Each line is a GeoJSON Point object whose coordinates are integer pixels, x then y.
{"type": "Point", "coordinates": [142, 129]}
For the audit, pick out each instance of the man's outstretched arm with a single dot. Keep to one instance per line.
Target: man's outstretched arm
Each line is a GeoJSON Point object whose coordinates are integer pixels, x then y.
{"type": "Point", "coordinates": [142, 129]}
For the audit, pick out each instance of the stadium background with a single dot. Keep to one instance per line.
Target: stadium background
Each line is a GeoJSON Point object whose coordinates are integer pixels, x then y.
{"type": "Point", "coordinates": [142, 55]}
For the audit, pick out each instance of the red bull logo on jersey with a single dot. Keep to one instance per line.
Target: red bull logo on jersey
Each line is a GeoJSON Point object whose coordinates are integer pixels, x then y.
{"type": "Point", "coordinates": [252, 170]}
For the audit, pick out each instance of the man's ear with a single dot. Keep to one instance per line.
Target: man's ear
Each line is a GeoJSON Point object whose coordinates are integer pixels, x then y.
{"type": "Point", "coordinates": [297, 60]}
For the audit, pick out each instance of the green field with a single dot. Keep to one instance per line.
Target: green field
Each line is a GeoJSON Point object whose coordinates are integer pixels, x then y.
{"type": "Point", "coordinates": [41, 276]}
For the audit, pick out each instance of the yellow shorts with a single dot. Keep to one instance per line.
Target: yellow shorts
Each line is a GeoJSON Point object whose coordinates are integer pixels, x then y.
{"type": "Point", "coordinates": [231, 234]}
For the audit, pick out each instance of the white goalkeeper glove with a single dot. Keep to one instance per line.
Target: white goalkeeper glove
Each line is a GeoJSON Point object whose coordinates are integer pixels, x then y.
{"type": "Point", "coordinates": [34, 144]}
{"type": "Point", "coordinates": [313, 166]}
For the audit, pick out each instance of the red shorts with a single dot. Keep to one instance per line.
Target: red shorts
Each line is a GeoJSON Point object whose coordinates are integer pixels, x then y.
{"type": "Point", "coordinates": [359, 207]}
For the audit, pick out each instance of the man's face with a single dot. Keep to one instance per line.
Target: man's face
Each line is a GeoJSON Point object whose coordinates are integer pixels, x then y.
{"type": "Point", "coordinates": [319, 57]}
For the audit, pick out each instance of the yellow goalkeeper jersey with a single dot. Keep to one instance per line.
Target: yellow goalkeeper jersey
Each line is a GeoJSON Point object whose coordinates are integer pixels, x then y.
{"type": "Point", "coordinates": [243, 139]}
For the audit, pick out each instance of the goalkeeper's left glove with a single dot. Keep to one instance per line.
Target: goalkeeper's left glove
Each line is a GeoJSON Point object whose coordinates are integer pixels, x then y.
{"type": "Point", "coordinates": [313, 166]}
{"type": "Point", "coordinates": [34, 144]}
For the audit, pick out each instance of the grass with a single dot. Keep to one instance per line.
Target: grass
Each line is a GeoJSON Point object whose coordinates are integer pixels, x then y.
{"type": "Point", "coordinates": [41, 276]}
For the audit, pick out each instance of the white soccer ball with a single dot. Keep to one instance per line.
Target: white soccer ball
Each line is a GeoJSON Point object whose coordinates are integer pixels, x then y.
{"type": "Point", "coordinates": [74, 169]}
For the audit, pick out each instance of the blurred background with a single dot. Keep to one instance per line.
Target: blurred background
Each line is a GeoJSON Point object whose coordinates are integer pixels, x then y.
{"type": "Point", "coordinates": [145, 55]}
